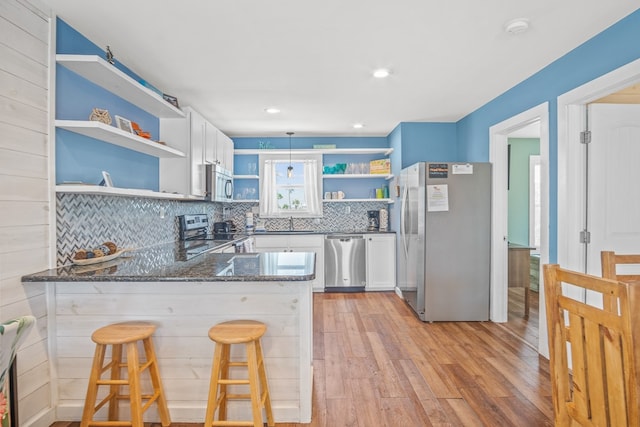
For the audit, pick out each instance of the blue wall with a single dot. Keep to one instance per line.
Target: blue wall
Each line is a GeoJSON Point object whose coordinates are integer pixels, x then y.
{"type": "Point", "coordinates": [80, 158]}
{"type": "Point", "coordinates": [521, 149]}
{"type": "Point", "coordinates": [435, 142]}
{"type": "Point", "coordinates": [611, 49]}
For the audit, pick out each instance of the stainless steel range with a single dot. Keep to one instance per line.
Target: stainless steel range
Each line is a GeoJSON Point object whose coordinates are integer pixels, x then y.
{"type": "Point", "coordinates": [195, 237]}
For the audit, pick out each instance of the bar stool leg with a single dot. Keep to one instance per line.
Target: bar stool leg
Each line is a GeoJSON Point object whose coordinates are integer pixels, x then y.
{"type": "Point", "coordinates": [213, 386]}
{"type": "Point", "coordinates": [135, 395]}
{"type": "Point", "coordinates": [252, 365]}
{"type": "Point", "coordinates": [224, 373]}
{"type": "Point", "coordinates": [92, 389]}
{"type": "Point", "coordinates": [114, 392]}
{"type": "Point", "coordinates": [264, 389]}
{"type": "Point", "coordinates": [154, 372]}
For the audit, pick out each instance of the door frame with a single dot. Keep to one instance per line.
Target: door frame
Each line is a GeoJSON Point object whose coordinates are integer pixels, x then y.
{"type": "Point", "coordinates": [571, 167]}
{"type": "Point", "coordinates": [498, 141]}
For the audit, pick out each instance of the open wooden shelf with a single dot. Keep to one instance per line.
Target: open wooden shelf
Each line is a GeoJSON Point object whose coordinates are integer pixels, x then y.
{"type": "Point", "coordinates": [357, 200]}
{"type": "Point", "coordinates": [125, 192]}
{"type": "Point", "coordinates": [115, 136]}
{"type": "Point", "coordinates": [383, 151]}
{"type": "Point", "coordinates": [356, 175]}
{"type": "Point", "coordinates": [97, 70]}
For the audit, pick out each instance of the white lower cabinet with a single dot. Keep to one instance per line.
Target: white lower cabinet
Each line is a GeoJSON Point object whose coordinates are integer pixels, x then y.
{"type": "Point", "coordinates": [381, 262]}
{"type": "Point", "coordinates": [296, 243]}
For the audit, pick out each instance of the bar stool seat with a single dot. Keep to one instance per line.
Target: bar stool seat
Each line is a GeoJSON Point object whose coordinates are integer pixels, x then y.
{"type": "Point", "coordinates": [117, 335]}
{"type": "Point", "coordinates": [225, 334]}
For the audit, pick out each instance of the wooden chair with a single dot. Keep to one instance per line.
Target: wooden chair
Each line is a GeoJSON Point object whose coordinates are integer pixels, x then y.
{"type": "Point", "coordinates": [600, 389]}
{"type": "Point", "coordinates": [610, 263]}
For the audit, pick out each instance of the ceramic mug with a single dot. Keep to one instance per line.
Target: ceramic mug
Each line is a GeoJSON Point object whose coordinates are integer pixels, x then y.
{"type": "Point", "coordinates": [334, 195]}
{"type": "Point", "coordinates": [340, 195]}
{"type": "Point", "coordinates": [327, 195]}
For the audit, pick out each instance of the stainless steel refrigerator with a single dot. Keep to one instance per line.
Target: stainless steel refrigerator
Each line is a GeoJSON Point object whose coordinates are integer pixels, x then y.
{"type": "Point", "coordinates": [444, 240]}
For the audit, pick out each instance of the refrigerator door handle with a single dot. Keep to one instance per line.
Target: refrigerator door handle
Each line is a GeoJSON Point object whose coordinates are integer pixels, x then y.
{"type": "Point", "coordinates": [403, 220]}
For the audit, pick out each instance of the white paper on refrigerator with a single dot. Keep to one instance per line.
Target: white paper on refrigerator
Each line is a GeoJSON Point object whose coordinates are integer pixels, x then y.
{"type": "Point", "coordinates": [438, 198]}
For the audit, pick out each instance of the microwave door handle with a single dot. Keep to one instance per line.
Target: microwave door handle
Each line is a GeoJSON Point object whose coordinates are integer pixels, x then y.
{"type": "Point", "coordinates": [228, 189]}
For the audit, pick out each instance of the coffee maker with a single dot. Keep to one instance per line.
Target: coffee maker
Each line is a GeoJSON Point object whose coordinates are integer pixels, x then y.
{"type": "Point", "coordinates": [373, 220]}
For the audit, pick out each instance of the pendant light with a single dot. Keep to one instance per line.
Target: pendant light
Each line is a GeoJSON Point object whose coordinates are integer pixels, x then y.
{"type": "Point", "coordinates": [290, 168]}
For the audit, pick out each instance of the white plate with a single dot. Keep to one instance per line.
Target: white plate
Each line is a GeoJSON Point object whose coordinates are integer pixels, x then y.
{"type": "Point", "coordinates": [99, 259]}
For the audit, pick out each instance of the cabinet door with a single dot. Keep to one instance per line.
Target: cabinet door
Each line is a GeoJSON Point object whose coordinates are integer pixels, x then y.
{"type": "Point", "coordinates": [228, 154]}
{"type": "Point", "coordinates": [175, 173]}
{"type": "Point", "coordinates": [197, 176]}
{"type": "Point", "coordinates": [381, 262]}
{"type": "Point", "coordinates": [210, 143]}
{"type": "Point", "coordinates": [224, 151]}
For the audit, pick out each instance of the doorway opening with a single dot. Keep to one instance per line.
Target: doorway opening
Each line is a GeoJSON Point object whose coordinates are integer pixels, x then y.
{"type": "Point", "coordinates": [537, 117]}
{"type": "Point", "coordinates": [523, 217]}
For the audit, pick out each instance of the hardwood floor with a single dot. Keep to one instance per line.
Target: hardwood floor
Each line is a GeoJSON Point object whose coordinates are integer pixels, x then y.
{"type": "Point", "coordinates": [376, 364]}
{"type": "Point", "coordinates": [525, 328]}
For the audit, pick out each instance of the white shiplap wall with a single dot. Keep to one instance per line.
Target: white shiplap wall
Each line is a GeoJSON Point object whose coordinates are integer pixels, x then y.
{"type": "Point", "coordinates": [25, 195]}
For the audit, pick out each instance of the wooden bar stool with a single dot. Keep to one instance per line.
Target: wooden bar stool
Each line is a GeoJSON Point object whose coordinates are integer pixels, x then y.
{"type": "Point", "coordinates": [224, 334]}
{"type": "Point", "coordinates": [118, 335]}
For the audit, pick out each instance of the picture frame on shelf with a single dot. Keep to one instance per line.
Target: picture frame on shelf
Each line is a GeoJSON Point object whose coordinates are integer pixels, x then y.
{"type": "Point", "coordinates": [106, 179]}
{"type": "Point", "coordinates": [124, 124]}
{"type": "Point", "coordinates": [171, 100]}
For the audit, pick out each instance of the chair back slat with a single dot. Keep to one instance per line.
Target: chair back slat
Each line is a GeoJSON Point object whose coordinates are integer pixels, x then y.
{"type": "Point", "coordinates": [600, 388]}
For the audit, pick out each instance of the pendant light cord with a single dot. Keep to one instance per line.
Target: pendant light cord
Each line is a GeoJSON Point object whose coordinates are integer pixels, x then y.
{"type": "Point", "coordinates": [290, 168]}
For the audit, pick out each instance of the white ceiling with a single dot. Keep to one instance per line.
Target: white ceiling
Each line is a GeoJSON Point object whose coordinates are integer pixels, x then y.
{"type": "Point", "coordinates": [313, 59]}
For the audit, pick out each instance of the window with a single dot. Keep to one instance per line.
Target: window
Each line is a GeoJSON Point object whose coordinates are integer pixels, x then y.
{"type": "Point", "coordinates": [297, 196]}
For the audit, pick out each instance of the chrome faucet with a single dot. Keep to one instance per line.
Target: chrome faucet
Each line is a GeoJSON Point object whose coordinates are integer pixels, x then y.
{"type": "Point", "coordinates": [290, 223]}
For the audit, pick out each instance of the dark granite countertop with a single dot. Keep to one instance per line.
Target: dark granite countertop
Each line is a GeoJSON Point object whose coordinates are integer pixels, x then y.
{"type": "Point", "coordinates": [303, 232]}
{"type": "Point", "coordinates": [176, 262]}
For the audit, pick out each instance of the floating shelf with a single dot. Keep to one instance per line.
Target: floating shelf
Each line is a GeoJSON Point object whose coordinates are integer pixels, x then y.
{"type": "Point", "coordinates": [357, 200]}
{"type": "Point", "coordinates": [125, 192]}
{"type": "Point", "coordinates": [115, 136]}
{"type": "Point", "coordinates": [100, 72]}
{"type": "Point", "coordinates": [246, 177]}
{"type": "Point", "coordinates": [384, 151]}
{"type": "Point", "coordinates": [246, 201]}
{"type": "Point", "coordinates": [356, 175]}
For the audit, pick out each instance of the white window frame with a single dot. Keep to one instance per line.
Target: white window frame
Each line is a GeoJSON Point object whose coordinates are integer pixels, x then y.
{"type": "Point", "coordinates": [313, 191]}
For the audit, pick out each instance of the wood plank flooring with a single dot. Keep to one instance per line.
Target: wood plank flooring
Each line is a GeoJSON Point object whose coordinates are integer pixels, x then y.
{"type": "Point", "coordinates": [376, 364]}
{"type": "Point", "coordinates": [525, 328]}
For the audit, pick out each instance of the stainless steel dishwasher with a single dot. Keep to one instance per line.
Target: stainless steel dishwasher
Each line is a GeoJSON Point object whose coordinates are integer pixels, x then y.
{"type": "Point", "coordinates": [344, 263]}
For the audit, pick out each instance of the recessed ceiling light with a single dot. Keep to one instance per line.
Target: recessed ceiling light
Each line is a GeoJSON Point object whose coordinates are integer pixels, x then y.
{"type": "Point", "coordinates": [358, 125]}
{"type": "Point", "coordinates": [381, 73]}
{"type": "Point", "coordinates": [272, 110]}
{"type": "Point", "coordinates": [517, 26]}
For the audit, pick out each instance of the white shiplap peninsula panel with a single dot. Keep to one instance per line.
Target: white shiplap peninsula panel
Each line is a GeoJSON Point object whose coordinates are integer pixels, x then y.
{"type": "Point", "coordinates": [184, 312]}
{"type": "Point", "coordinates": [25, 194]}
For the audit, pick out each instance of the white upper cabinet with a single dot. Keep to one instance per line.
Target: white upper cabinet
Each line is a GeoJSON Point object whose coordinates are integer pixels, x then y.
{"type": "Point", "coordinates": [205, 145]}
{"type": "Point", "coordinates": [185, 175]}
{"type": "Point", "coordinates": [225, 151]}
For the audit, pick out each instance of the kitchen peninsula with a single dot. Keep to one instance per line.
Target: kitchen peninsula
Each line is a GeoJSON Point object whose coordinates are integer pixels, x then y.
{"type": "Point", "coordinates": [186, 294]}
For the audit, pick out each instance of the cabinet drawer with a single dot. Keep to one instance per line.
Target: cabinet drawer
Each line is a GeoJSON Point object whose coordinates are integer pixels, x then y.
{"type": "Point", "coordinates": [281, 242]}
{"type": "Point", "coordinates": [306, 241]}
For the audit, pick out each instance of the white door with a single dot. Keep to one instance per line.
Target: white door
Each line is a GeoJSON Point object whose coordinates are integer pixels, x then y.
{"type": "Point", "coordinates": [613, 206]}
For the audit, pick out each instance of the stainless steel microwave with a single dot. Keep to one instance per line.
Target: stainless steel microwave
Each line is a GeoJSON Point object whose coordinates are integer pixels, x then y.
{"type": "Point", "coordinates": [219, 184]}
